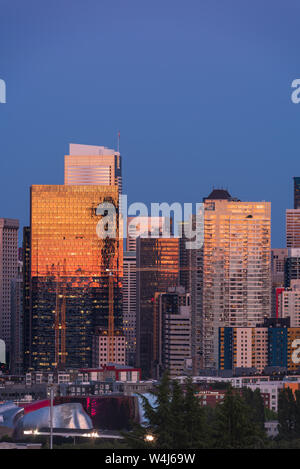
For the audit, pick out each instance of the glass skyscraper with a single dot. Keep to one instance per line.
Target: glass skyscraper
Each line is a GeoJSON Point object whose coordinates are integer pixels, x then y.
{"type": "Point", "coordinates": [157, 269]}
{"type": "Point", "coordinates": [68, 274]}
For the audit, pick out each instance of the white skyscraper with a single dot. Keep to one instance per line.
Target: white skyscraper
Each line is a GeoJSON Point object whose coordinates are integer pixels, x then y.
{"type": "Point", "coordinates": [8, 272]}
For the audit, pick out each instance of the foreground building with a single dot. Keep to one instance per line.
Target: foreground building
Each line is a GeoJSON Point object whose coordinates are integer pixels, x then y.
{"type": "Point", "coordinates": [271, 345]}
{"type": "Point", "coordinates": [69, 275]}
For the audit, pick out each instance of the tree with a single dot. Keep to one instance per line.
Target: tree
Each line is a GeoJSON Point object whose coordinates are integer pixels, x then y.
{"type": "Point", "coordinates": [235, 426]}
{"type": "Point", "coordinates": [287, 411]}
{"type": "Point", "coordinates": [176, 421]}
{"type": "Point", "coordinates": [194, 418]}
{"type": "Point", "coordinates": [255, 401]}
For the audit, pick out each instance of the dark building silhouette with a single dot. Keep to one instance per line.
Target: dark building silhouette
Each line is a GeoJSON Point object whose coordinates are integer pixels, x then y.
{"type": "Point", "coordinates": [157, 269]}
{"type": "Point", "coordinates": [296, 192]}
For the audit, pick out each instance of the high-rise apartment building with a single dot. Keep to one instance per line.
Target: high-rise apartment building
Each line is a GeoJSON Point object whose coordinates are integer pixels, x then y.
{"type": "Point", "coordinates": [69, 273]}
{"type": "Point", "coordinates": [243, 347]}
{"type": "Point", "coordinates": [157, 269]}
{"type": "Point", "coordinates": [129, 305]}
{"type": "Point", "coordinates": [8, 271]}
{"type": "Point", "coordinates": [293, 228]}
{"type": "Point", "coordinates": [236, 288]}
{"type": "Point", "coordinates": [91, 164]}
{"type": "Point", "coordinates": [278, 259]}
{"type": "Point", "coordinates": [292, 266]}
{"type": "Point", "coordinates": [289, 303]}
{"type": "Point", "coordinates": [271, 344]}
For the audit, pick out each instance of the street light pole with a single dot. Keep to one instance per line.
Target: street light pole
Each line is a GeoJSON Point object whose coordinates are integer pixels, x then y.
{"type": "Point", "coordinates": [51, 416]}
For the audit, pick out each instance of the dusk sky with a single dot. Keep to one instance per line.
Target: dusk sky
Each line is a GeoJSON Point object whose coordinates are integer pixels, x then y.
{"type": "Point", "coordinates": [199, 89]}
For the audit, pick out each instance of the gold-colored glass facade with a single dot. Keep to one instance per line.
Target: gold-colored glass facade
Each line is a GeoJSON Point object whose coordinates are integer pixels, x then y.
{"type": "Point", "coordinates": [69, 278]}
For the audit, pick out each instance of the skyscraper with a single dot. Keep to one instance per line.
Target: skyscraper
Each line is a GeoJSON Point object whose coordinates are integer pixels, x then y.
{"type": "Point", "coordinates": [236, 267]}
{"type": "Point", "coordinates": [8, 271]}
{"type": "Point", "coordinates": [157, 269]}
{"type": "Point", "coordinates": [26, 297]}
{"type": "Point", "coordinates": [91, 164]}
{"type": "Point", "coordinates": [17, 322]}
{"type": "Point", "coordinates": [296, 192]}
{"type": "Point", "coordinates": [293, 228]}
{"type": "Point", "coordinates": [278, 259]}
{"type": "Point", "coordinates": [172, 339]}
{"type": "Point", "coordinates": [129, 305]}
{"type": "Point", "coordinates": [69, 273]}
{"type": "Point", "coordinates": [289, 303]}
{"type": "Point", "coordinates": [292, 266]}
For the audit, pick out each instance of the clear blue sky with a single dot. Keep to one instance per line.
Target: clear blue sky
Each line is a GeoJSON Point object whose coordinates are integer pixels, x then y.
{"type": "Point", "coordinates": [199, 89]}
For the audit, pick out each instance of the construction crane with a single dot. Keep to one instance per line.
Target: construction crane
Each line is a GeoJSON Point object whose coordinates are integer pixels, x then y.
{"type": "Point", "coordinates": [60, 318]}
{"type": "Point", "coordinates": [60, 311]}
{"type": "Point", "coordinates": [111, 319]}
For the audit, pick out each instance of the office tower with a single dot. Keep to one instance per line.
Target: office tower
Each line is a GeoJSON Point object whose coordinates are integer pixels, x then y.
{"type": "Point", "coordinates": [191, 277]}
{"type": "Point", "coordinates": [26, 296]}
{"type": "Point", "coordinates": [17, 322]}
{"type": "Point", "coordinates": [145, 227]}
{"type": "Point", "coordinates": [293, 228]}
{"type": "Point", "coordinates": [172, 331]}
{"type": "Point", "coordinates": [129, 306]}
{"type": "Point", "coordinates": [70, 268]}
{"type": "Point", "coordinates": [8, 271]}
{"type": "Point", "coordinates": [91, 164]}
{"type": "Point", "coordinates": [292, 266]}
{"type": "Point", "coordinates": [185, 272]}
{"type": "Point", "coordinates": [236, 267]}
{"type": "Point", "coordinates": [296, 192]}
{"type": "Point", "coordinates": [278, 258]}
{"type": "Point", "coordinates": [157, 269]}
{"type": "Point", "coordinates": [289, 303]}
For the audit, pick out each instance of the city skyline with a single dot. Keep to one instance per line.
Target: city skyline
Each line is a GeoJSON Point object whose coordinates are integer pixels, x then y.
{"type": "Point", "coordinates": [191, 97]}
{"type": "Point", "coordinates": [149, 227]}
